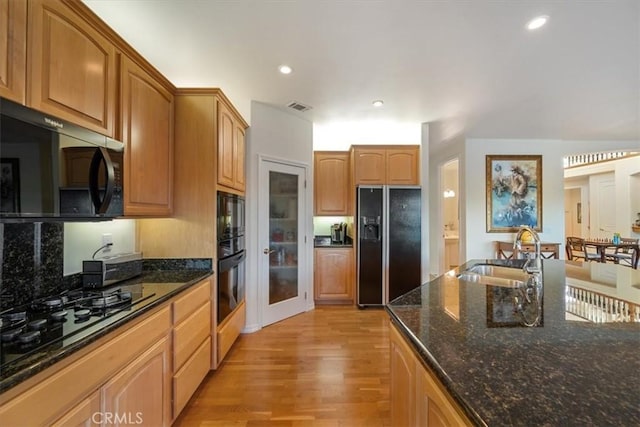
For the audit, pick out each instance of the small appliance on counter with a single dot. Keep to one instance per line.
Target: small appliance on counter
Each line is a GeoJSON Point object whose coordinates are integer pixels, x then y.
{"type": "Point", "coordinates": [103, 272]}
{"type": "Point", "coordinates": [339, 233]}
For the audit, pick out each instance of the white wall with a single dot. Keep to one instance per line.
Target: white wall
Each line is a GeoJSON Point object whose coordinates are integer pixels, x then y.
{"type": "Point", "coordinates": [440, 152]}
{"type": "Point", "coordinates": [276, 134]}
{"type": "Point", "coordinates": [82, 239]}
{"type": "Point", "coordinates": [479, 243]}
{"type": "Point", "coordinates": [340, 136]}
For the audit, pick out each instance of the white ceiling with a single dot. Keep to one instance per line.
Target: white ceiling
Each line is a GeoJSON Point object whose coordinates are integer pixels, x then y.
{"type": "Point", "coordinates": [469, 64]}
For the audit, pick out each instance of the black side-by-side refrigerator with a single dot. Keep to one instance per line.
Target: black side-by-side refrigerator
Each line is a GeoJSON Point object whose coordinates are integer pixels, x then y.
{"type": "Point", "coordinates": [389, 243]}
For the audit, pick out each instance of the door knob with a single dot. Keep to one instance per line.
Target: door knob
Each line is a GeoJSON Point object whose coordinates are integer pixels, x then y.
{"type": "Point", "coordinates": [267, 251]}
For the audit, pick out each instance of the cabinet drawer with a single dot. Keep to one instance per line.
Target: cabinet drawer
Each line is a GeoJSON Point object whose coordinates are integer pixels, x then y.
{"type": "Point", "coordinates": [229, 331]}
{"type": "Point", "coordinates": [189, 377]}
{"type": "Point", "coordinates": [188, 335]}
{"type": "Point", "coordinates": [185, 305]}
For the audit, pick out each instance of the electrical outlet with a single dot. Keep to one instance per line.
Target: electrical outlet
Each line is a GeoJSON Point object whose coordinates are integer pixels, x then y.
{"type": "Point", "coordinates": [107, 238]}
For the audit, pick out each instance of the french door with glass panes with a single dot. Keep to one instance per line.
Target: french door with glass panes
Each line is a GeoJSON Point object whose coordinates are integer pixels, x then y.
{"type": "Point", "coordinates": [281, 230]}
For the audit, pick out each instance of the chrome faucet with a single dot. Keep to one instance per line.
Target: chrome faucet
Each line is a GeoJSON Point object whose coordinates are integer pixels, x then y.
{"type": "Point", "coordinates": [517, 246]}
{"type": "Point", "coordinates": [529, 303]}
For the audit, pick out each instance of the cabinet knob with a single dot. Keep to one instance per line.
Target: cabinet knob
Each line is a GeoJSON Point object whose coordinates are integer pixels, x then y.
{"type": "Point", "coordinates": [267, 251]}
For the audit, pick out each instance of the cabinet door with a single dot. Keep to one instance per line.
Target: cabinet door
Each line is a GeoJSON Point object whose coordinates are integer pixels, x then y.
{"type": "Point", "coordinates": [402, 166]}
{"type": "Point", "coordinates": [72, 72]}
{"type": "Point", "coordinates": [147, 131]}
{"type": "Point", "coordinates": [13, 49]}
{"type": "Point", "coordinates": [403, 387]}
{"type": "Point", "coordinates": [369, 166]}
{"type": "Point", "coordinates": [239, 158]}
{"type": "Point", "coordinates": [141, 391]}
{"type": "Point", "coordinates": [433, 407]}
{"type": "Point", "coordinates": [86, 413]}
{"type": "Point", "coordinates": [333, 275]}
{"type": "Point", "coordinates": [225, 146]}
{"type": "Point", "coordinates": [331, 183]}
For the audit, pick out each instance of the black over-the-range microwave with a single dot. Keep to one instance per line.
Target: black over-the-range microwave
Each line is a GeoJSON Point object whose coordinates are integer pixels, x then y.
{"type": "Point", "coordinates": [54, 170]}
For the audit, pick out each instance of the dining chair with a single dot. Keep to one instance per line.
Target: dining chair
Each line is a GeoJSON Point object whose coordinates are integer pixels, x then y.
{"type": "Point", "coordinates": [626, 254]}
{"type": "Point", "coordinates": [576, 250]}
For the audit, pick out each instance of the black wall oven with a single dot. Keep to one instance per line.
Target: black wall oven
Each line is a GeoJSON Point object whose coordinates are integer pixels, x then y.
{"type": "Point", "coordinates": [231, 253]}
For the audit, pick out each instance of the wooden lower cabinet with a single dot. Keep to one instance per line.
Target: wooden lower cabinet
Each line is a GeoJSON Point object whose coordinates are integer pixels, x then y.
{"type": "Point", "coordinates": [187, 379]}
{"type": "Point", "coordinates": [192, 343]}
{"type": "Point", "coordinates": [230, 329]}
{"type": "Point", "coordinates": [333, 276]}
{"type": "Point", "coordinates": [128, 377]}
{"type": "Point", "coordinates": [417, 397]}
{"type": "Point", "coordinates": [86, 413]}
{"type": "Point", "coordinates": [140, 393]}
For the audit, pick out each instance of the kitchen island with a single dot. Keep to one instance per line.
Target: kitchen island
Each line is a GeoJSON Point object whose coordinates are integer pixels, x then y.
{"type": "Point", "coordinates": [579, 367]}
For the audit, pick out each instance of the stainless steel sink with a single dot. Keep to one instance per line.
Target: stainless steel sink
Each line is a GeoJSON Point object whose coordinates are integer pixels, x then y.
{"type": "Point", "coordinates": [495, 275]}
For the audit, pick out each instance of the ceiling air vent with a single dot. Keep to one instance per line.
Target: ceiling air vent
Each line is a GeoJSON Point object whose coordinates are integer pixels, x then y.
{"type": "Point", "coordinates": [298, 106]}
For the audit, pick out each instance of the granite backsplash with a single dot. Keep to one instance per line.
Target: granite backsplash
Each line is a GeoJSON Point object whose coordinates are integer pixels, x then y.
{"type": "Point", "coordinates": [32, 267]}
{"type": "Point", "coordinates": [32, 261]}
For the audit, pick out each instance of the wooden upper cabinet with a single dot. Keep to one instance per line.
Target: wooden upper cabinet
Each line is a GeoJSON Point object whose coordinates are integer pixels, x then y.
{"type": "Point", "coordinates": [369, 166]}
{"type": "Point", "coordinates": [386, 165]}
{"type": "Point", "coordinates": [331, 182]}
{"type": "Point", "coordinates": [72, 67]}
{"type": "Point", "coordinates": [403, 166]}
{"type": "Point", "coordinates": [13, 49]}
{"type": "Point", "coordinates": [225, 146]}
{"type": "Point", "coordinates": [240, 146]}
{"type": "Point", "coordinates": [147, 132]}
{"type": "Point", "coordinates": [231, 149]}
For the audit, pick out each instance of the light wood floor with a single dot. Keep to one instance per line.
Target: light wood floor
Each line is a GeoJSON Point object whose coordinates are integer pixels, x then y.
{"type": "Point", "coordinates": [325, 367]}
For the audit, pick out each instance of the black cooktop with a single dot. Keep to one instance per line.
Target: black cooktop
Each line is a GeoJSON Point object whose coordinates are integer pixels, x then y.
{"type": "Point", "coordinates": [60, 320]}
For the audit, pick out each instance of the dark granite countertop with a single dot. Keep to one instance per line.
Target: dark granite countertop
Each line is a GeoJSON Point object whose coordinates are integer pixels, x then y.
{"type": "Point", "coordinates": [325, 242]}
{"type": "Point", "coordinates": [161, 280]}
{"type": "Point", "coordinates": [578, 368]}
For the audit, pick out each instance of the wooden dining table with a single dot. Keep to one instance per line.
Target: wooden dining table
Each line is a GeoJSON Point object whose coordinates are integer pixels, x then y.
{"type": "Point", "coordinates": [601, 247]}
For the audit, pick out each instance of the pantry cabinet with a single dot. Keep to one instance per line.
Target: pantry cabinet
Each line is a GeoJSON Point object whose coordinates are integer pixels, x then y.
{"type": "Point", "coordinates": [13, 49]}
{"type": "Point", "coordinates": [71, 67]}
{"type": "Point", "coordinates": [331, 183]}
{"type": "Point", "coordinates": [333, 276]}
{"type": "Point", "coordinates": [417, 396]}
{"type": "Point", "coordinates": [231, 149]}
{"type": "Point", "coordinates": [147, 132]}
{"type": "Point", "coordinates": [386, 165]}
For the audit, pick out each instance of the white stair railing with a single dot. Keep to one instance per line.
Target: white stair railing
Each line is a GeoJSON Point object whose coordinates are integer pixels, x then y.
{"type": "Point", "coordinates": [590, 158]}
{"type": "Point", "coordinates": [600, 308]}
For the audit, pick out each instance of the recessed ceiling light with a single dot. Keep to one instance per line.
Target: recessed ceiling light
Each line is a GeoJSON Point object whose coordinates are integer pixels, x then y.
{"type": "Point", "coordinates": [285, 69]}
{"type": "Point", "coordinates": [537, 22]}
{"type": "Point", "coordinates": [378, 103]}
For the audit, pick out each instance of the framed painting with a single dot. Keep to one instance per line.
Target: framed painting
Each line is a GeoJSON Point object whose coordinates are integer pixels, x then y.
{"type": "Point", "coordinates": [9, 185]}
{"type": "Point", "coordinates": [514, 192]}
